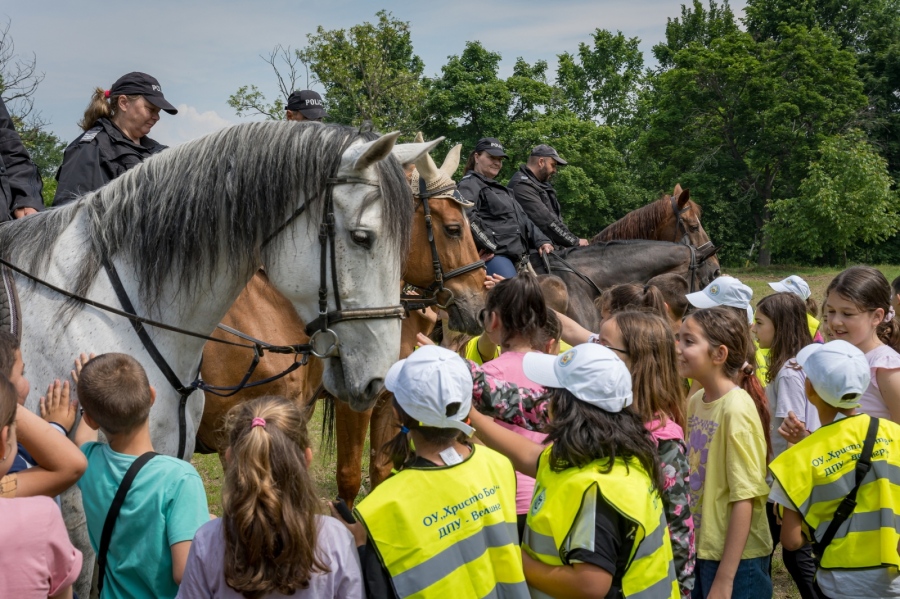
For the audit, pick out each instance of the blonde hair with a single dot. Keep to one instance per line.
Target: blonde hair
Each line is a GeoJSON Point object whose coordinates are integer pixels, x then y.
{"type": "Point", "coordinates": [269, 500]}
{"type": "Point", "coordinates": [101, 107]}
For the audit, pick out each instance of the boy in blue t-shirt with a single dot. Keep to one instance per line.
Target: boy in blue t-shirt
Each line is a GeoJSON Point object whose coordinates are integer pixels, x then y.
{"type": "Point", "coordinates": [166, 503]}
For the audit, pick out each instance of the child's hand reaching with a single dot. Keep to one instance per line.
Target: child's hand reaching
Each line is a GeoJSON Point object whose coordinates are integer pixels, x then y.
{"type": "Point", "coordinates": [56, 408]}
{"type": "Point", "coordinates": [80, 361]}
{"type": "Point", "coordinates": [792, 429]}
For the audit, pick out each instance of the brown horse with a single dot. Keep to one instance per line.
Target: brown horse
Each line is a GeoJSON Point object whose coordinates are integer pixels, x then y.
{"type": "Point", "coordinates": [671, 218]}
{"type": "Point", "coordinates": [261, 313]}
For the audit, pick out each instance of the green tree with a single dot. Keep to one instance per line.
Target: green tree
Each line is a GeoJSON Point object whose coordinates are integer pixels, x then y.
{"type": "Point", "coordinates": [249, 100]}
{"type": "Point", "coordinates": [601, 81]}
{"type": "Point", "coordinates": [696, 25]}
{"type": "Point", "coordinates": [846, 199]}
{"type": "Point", "coordinates": [748, 116]}
{"type": "Point", "coordinates": [369, 72]}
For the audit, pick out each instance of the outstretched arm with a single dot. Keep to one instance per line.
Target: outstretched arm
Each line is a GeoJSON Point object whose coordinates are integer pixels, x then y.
{"type": "Point", "coordinates": [61, 464]}
{"type": "Point", "coordinates": [572, 332]}
{"type": "Point", "coordinates": [522, 452]}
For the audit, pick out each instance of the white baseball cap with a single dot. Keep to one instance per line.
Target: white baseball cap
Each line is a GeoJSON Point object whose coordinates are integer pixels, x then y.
{"type": "Point", "coordinates": [793, 284]}
{"type": "Point", "coordinates": [592, 373]}
{"type": "Point", "coordinates": [429, 380]}
{"type": "Point", "coordinates": [838, 371]}
{"type": "Point", "coordinates": [724, 291]}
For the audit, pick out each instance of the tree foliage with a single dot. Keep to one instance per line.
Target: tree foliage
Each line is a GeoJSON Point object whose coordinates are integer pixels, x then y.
{"type": "Point", "coordinates": [846, 199]}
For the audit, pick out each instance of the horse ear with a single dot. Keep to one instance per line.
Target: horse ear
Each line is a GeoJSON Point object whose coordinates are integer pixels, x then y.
{"type": "Point", "coordinates": [420, 139]}
{"type": "Point", "coordinates": [369, 153]}
{"type": "Point", "coordinates": [409, 153]}
{"type": "Point", "coordinates": [677, 191]}
{"type": "Point", "coordinates": [451, 162]}
{"type": "Point", "coordinates": [683, 198]}
{"type": "Point", "coordinates": [707, 253]}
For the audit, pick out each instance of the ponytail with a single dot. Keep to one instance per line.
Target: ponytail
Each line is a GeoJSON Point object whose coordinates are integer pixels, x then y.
{"type": "Point", "coordinates": [101, 106]}
{"type": "Point", "coordinates": [269, 500]}
{"type": "Point", "coordinates": [519, 303]}
{"type": "Point", "coordinates": [749, 382]}
{"type": "Point", "coordinates": [812, 308]}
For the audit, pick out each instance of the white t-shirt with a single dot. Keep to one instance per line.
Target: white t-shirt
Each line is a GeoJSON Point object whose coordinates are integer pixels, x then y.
{"type": "Point", "coordinates": [786, 393]}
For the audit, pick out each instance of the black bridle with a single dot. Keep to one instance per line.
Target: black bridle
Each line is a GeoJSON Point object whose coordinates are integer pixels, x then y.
{"type": "Point", "coordinates": [436, 294]}
{"type": "Point", "coordinates": [686, 239]}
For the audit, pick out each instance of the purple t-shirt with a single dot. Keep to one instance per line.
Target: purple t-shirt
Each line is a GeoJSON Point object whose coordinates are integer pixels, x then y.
{"type": "Point", "coordinates": [204, 574]}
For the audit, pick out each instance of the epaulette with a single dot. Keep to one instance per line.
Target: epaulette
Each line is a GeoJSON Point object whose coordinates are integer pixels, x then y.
{"type": "Point", "coordinates": [90, 134]}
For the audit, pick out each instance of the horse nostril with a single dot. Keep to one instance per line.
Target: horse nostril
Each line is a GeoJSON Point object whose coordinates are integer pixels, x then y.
{"type": "Point", "coordinates": [373, 389]}
{"type": "Point", "coordinates": [717, 273]}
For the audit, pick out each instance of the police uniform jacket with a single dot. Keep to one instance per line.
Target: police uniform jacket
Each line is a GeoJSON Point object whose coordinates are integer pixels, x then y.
{"type": "Point", "coordinates": [539, 202]}
{"type": "Point", "coordinates": [20, 181]}
{"type": "Point", "coordinates": [499, 225]}
{"type": "Point", "coordinates": [98, 156]}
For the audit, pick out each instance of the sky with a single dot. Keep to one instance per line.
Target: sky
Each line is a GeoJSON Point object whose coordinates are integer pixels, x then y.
{"type": "Point", "coordinates": [202, 51]}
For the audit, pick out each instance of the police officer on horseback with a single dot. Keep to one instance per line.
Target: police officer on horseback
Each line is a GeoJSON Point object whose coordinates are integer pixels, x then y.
{"type": "Point", "coordinates": [304, 105]}
{"type": "Point", "coordinates": [20, 182]}
{"type": "Point", "coordinates": [534, 193]}
{"type": "Point", "coordinates": [116, 125]}
{"type": "Point", "coordinates": [503, 232]}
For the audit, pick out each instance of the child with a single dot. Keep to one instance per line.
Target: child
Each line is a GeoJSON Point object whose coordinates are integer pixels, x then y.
{"type": "Point", "coordinates": [631, 296]}
{"type": "Point", "coordinates": [645, 343]}
{"type": "Point", "coordinates": [797, 286]}
{"type": "Point", "coordinates": [38, 558]}
{"type": "Point", "coordinates": [728, 428]}
{"type": "Point", "coordinates": [814, 476]}
{"type": "Point", "coordinates": [166, 503]}
{"type": "Point", "coordinates": [271, 540]}
{"type": "Point", "coordinates": [782, 330]}
{"type": "Point", "coordinates": [596, 519]}
{"type": "Point", "coordinates": [444, 524]}
{"type": "Point", "coordinates": [858, 305]}
{"type": "Point", "coordinates": [674, 289]}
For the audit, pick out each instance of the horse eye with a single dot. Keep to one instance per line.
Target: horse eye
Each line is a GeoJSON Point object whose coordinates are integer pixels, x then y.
{"type": "Point", "coordinates": [453, 230]}
{"type": "Point", "coordinates": [362, 238]}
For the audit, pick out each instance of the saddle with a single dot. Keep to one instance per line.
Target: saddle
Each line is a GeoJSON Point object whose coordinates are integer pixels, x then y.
{"type": "Point", "coordinates": [10, 311]}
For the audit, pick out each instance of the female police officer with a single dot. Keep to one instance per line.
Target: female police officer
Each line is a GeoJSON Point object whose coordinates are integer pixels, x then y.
{"type": "Point", "coordinates": [115, 124]}
{"type": "Point", "coordinates": [499, 225]}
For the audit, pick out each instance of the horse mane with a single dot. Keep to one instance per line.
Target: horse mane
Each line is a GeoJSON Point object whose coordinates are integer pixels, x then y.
{"type": "Point", "coordinates": [640, 223]}
{"type": "Point", "coordinates": [210, 201]}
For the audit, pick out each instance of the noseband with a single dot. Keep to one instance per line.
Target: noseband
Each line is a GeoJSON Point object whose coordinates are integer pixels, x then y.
{"type": "Point", "coordinates": [436, 294]}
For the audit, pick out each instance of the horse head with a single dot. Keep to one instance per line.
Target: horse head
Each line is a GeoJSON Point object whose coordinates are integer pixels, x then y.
{"type": "Point", "coordinates": [444, 261]}
{"type": "Point", "coordinates": [707, 264]}
{"type": "Point", "coordinates": [684, 223]}
{"type": "Point", "coordinates": [361, 265]}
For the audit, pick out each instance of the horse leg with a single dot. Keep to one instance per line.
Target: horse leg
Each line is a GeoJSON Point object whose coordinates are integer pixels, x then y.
{"type": "Point", "coordinates": [76, 523]}
{"type": "Point", "coordinates": [350, 432]}
{"type": "Point", "coordinates": [381, 430]}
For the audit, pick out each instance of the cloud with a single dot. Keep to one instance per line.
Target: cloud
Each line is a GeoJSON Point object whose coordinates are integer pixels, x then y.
{"type": "Point", "coordinates": [188, 124]}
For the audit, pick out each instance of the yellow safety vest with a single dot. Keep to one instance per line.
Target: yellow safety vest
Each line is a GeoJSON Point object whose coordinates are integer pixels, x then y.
{"type": "Point", "coordinates": [817, 473]}
{"type": "Point", "coordinates": [558, 497]}
{"type": "Point", "coordinates": [449, 531]}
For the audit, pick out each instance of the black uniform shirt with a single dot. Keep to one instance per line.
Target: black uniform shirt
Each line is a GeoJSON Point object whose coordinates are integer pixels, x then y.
{"type": "Point", "coordinates": [538, 200]}
{"type": "Point", "coordinates": [20, 181]}
{"type": "Point", "coordinates": [98, 156]}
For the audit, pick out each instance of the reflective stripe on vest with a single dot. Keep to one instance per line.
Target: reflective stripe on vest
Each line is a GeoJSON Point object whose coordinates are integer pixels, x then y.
{"type": "Point", "coordinates": [552, 529]}
{"type": "Point", "coordinates": [817, 473]}
{"type": "Point", "coordinates": [449, 531]}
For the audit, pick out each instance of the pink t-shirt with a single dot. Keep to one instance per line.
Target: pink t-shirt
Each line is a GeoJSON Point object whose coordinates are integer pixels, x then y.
{"type": "Point", "coordinates": [38, 558]}
{"type": "Point", "coordinates": [508, 367]}
{"type": "Point", "coordinates": [871, 402]}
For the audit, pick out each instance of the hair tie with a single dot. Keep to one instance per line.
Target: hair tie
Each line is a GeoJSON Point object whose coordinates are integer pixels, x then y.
{"type": "Point", "coordinates": [403, 429]}
{"type": "Point", "coordinates": [890, 315]}
{"type": "Point", "coordinates": [748, 370]}
{"type": "Point", "coordinates": [646, 288]}
{"type": "Point", "coordinates": [106, 94]}
{"type": "Point", "coordinates": [258, 422]}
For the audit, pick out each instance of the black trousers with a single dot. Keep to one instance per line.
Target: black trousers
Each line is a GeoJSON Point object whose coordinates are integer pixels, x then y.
{"type": "Point", "coordinates": [800, 564]}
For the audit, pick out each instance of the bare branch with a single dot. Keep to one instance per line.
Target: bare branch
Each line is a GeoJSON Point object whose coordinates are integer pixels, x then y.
{"type": "Point", "coordinates": [19, 77]}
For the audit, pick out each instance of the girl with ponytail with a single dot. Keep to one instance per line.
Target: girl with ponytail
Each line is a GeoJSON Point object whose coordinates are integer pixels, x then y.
{"type": "Point", "coordinates": [728, 447]}
{"type": "Point", "coordinates": [272, 539]}
{"type": "Point", "coordinates": [858, 310]}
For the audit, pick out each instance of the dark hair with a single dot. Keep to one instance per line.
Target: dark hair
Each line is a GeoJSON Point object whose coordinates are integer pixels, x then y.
{"type": "Point", "coordinates": [788, 315]}
{"type": "Point", "coordinates": [398, 451]}
{"type": "Point", "coordinates": [631, 296]}
{"type": "Point", "coordinates": [9, 402]}
{"type": "Point", "coordinates": [657, 387]}
{"type": "Point", "coordinates": [470, 163]}
{"type": "Point", "coordinates": [812, 308]}
{"type": "Point", "coordinates": [582, 433]}
{"type": "Point", "coordinates": [269, 501]}
{"type": "Point", "coordinates": [9, 344]}
{"type": "Point", "coordinates": [674, 289]}
{"type": "Point", "coordinates": [895, 286]}
{"type": "Point", "coordinates": [556, 294]}
{"type": "Point", "coordinates": [114, 391]}
{"type": "Point", "coordinates": [519, 302]}
{"type": "Point", "coordinates": [726, 326]}
{"type": "Point", "coordinates": [868, 289]}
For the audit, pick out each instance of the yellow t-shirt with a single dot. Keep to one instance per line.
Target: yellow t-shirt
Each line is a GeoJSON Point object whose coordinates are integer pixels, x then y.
{"type": "Point", "coordinates": [727, 455]}
{"type": "Point", "coordinates": [474, 355]}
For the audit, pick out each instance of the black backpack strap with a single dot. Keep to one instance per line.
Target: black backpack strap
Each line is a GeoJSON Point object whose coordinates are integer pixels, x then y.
{"type": "Point", "coordinates": [848, 504]}
{"type": "Point", "coordinates": [113, 513]}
